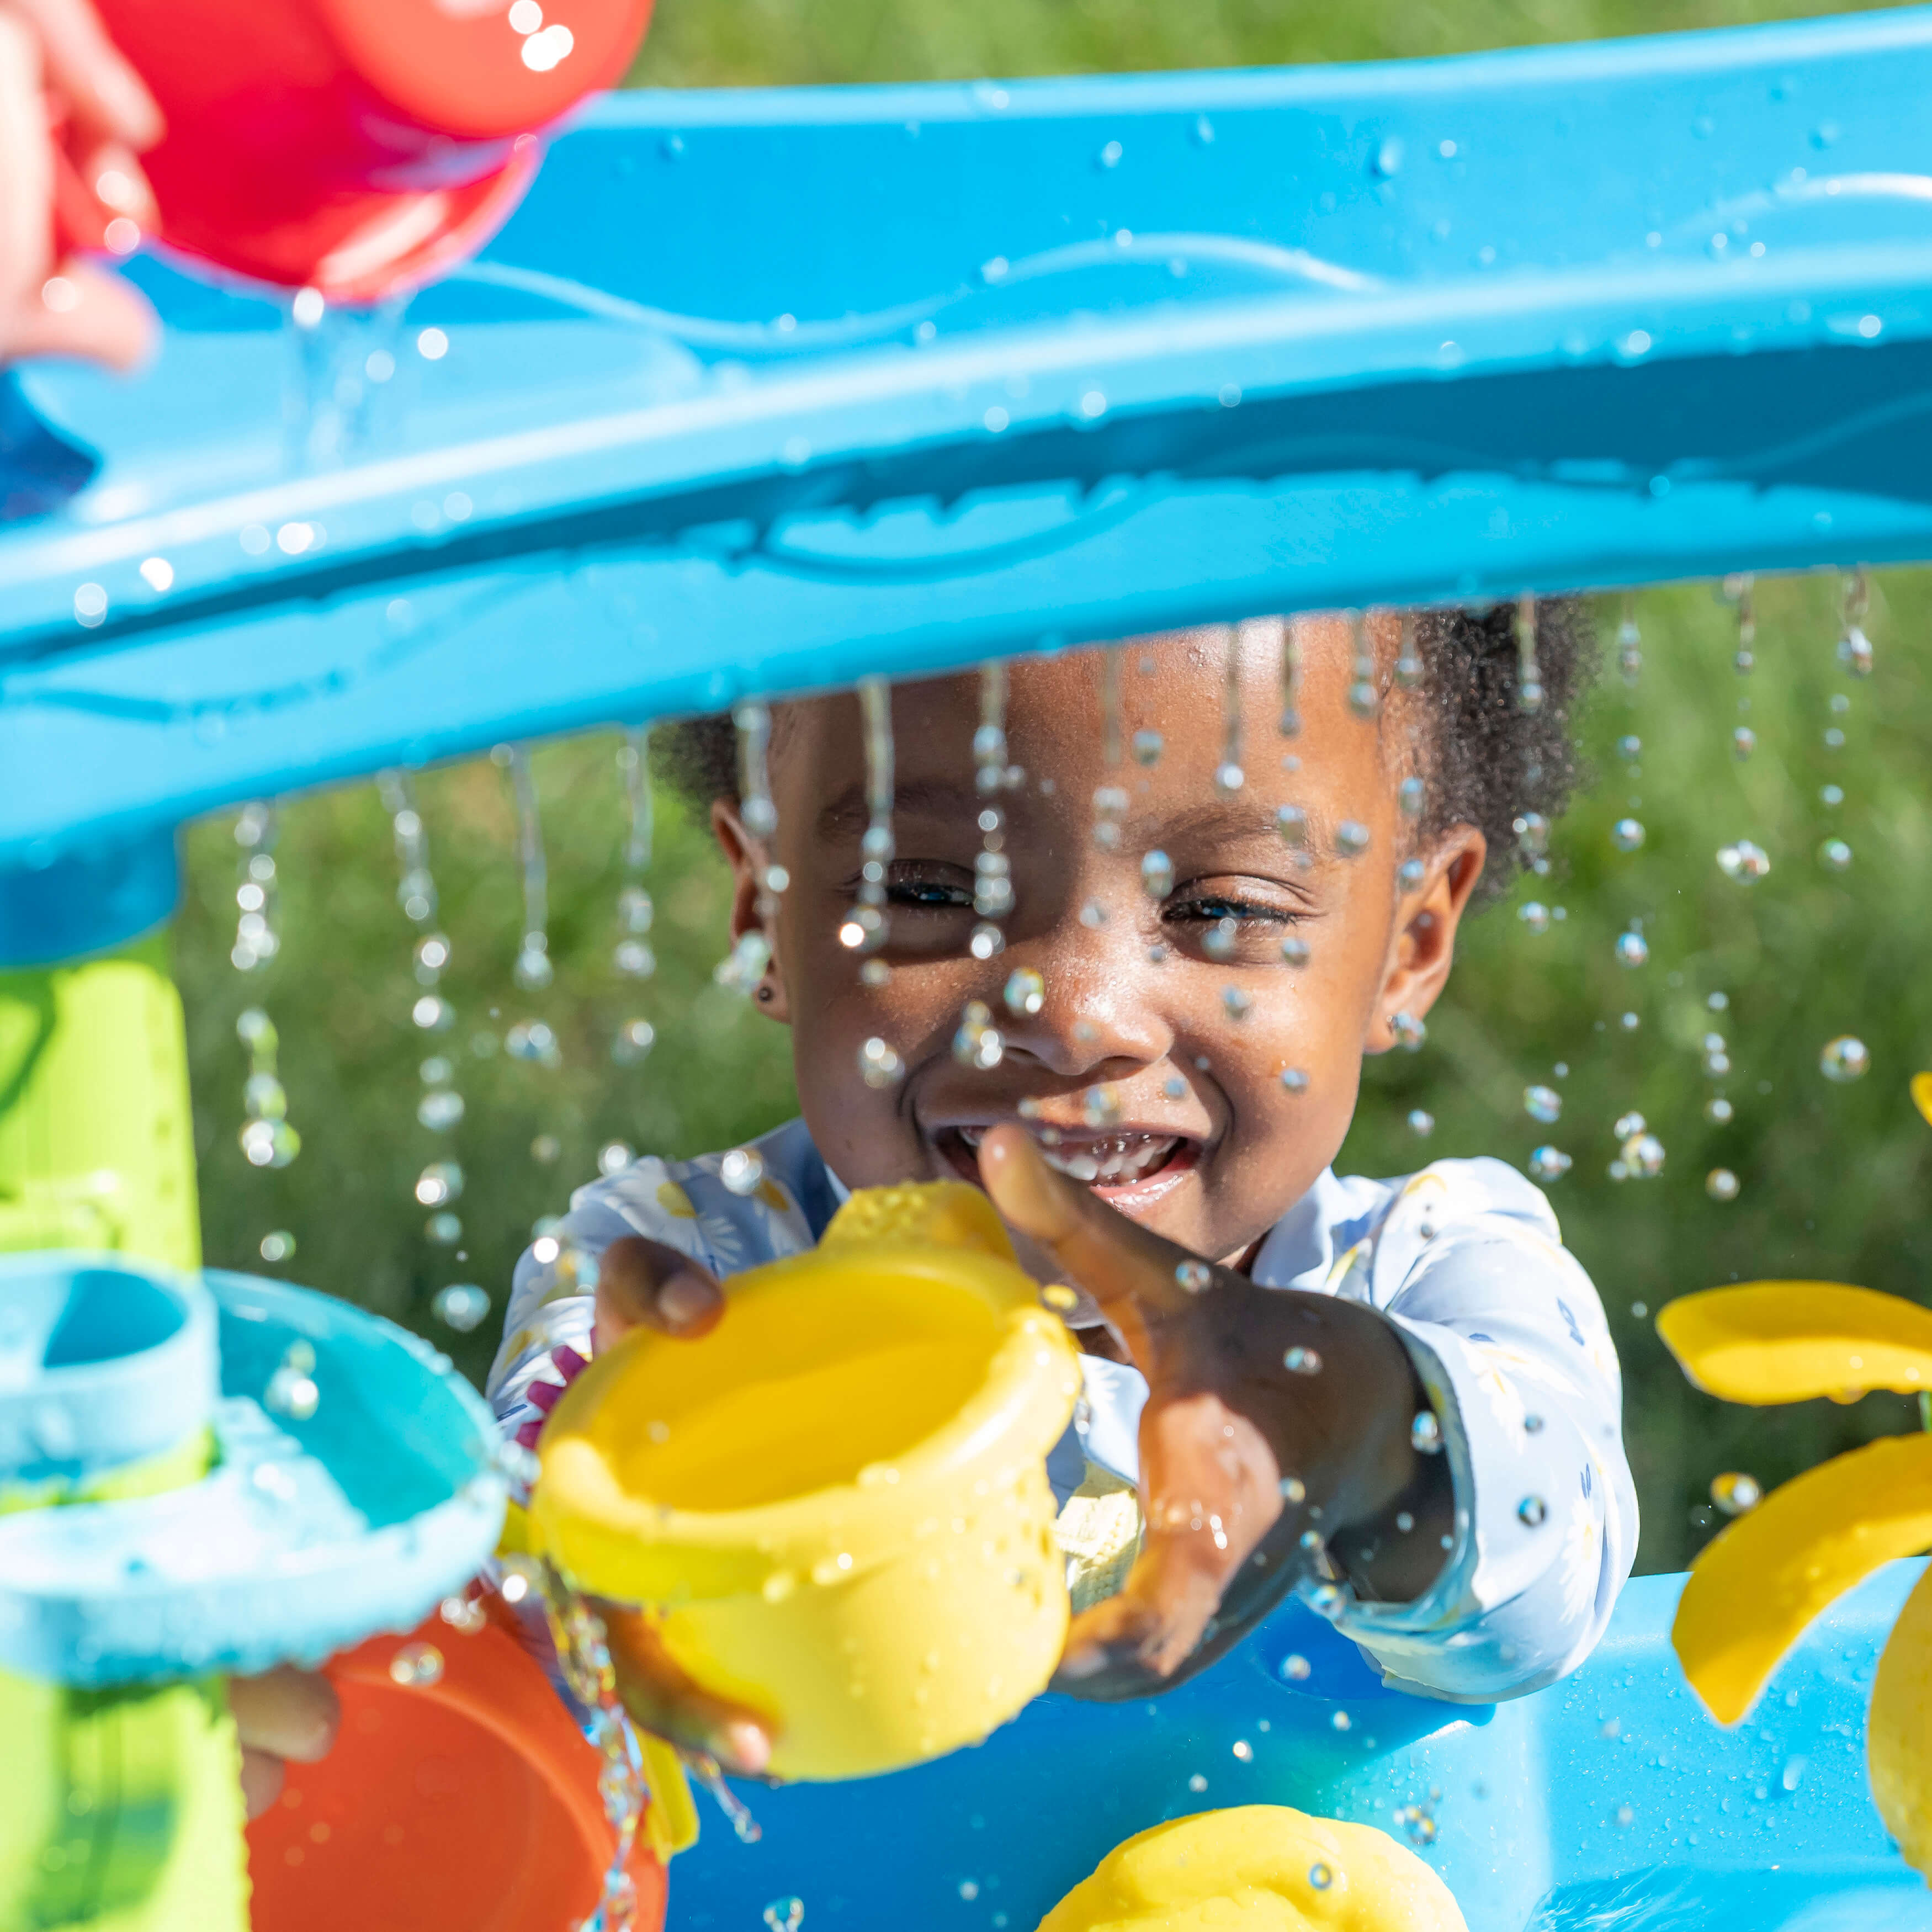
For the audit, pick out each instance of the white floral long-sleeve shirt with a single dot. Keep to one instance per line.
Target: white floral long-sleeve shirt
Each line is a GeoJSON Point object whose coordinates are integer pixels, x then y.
{"type": "Point", "coordinates": [1465, 1258]}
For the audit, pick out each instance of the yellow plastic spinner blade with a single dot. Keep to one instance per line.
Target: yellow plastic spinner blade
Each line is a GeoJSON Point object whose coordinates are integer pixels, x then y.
{"type": "Point", "coordinates": [1789, 1341]}
{"type": "Point", "coordinates": [1899, 1742]}
{"type": "Point", "coordinates": [670, 1822]}
{"type": "Point", "coordinates": [1921, 1095]}
{"type": "Point", "coordinates": [1756, 1587]}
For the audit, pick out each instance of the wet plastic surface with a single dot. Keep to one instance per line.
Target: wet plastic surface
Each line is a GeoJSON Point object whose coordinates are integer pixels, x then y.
{"type": "Point", "coordinates": [1608, 1803]}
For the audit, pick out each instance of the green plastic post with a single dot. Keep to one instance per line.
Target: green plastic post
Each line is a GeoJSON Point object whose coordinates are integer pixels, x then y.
{"type": "Point", "coordinates": [96, 1143]}
{"type": "Point", "coordinates": [120, 1810]}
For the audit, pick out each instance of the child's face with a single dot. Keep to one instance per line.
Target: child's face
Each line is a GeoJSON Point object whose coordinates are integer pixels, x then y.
{"type": "Point", "coordinates": [1196, 1133]}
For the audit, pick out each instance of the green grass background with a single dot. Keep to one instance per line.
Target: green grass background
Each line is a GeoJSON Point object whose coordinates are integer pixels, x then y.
{"type": "Point", "coordinates": [1833, 1177]}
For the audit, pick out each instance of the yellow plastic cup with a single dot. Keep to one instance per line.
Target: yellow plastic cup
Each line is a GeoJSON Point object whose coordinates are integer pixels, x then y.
{"type": "Point", "coordinates": [836, 1501]}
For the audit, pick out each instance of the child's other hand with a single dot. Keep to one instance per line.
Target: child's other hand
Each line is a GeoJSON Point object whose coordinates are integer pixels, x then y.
{"type": "Point", "coordinates": [1226, 1423]}
{"type": "Point", "coordinates": [72, 114]}
{"type": "Point", "coordinates": [643, 1284]}
{"type": "Point", "coordinates": [284, 1715]}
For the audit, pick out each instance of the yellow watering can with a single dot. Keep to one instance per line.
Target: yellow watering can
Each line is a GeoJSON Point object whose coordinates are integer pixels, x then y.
{"type": "Point", "coordinates": [835, 1502]}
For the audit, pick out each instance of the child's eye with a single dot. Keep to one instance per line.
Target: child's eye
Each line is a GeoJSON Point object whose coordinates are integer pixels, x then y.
{"type": "Point", "coordinates": [1210, 909]}
{"type": "Point", "coordinates": [925, 889]}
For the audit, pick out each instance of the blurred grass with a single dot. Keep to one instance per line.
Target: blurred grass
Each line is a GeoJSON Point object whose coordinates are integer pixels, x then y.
{"type": "Point", "coordinates": [1833, 1177]}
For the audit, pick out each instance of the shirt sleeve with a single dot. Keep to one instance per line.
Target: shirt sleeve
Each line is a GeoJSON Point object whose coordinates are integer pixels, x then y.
{"type": "Point", "coordinates": [554, 1290]}
{"type": "Point", "coordinates": [1509, 1339]}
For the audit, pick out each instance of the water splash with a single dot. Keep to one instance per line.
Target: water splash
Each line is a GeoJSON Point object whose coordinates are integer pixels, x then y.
{"type": "Point", "coordinates": [864, 928]}
{"type": "Point", "coordinates": [1229, 778]}
{"type": "Point", "coordinates": [268, 1139]}
{"type": "Point", "coordinates": [533, 970]}
{"type": "Point", "coordinates": [1529, 677]}
{"type": "Point", "coordinates": [1363, 700]}
{"type": "Point", "coordinates": [992, 870]}
{"type": "Point", "coordinates": [257, 939]}
{"type": "Point", "coordinates": [632, 956]}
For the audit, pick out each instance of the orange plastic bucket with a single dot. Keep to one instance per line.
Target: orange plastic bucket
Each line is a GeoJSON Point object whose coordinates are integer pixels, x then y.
{"type": "Point", "coordinates": [469, 1804]}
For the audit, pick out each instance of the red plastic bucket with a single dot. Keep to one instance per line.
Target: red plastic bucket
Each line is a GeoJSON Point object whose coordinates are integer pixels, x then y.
{"type": "Point", "coordinates": [469, 1804]}
{"type": "Point", "coordinates": [357, 146]}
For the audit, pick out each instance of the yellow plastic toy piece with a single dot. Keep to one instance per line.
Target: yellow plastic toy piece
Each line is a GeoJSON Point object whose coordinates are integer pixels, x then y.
{"type": "Point", "coordinates": [1791, 1341]}
{"type": "Point", "coordinates": [1754, 1589]}
{"type": "Point", "coordinates": [836, 1501]}
{"type": "Point", "coordinates": [1895, 1731]}
{"type": "Point", "coordinates": [1259, 1868]}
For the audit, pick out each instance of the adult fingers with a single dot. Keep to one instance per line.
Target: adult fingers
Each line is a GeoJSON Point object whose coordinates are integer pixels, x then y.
{"type": "Point", "coordinates": [660, 1697]}
{"type": "Point", "coordinates": [285, 1713]}
{"type": "Point", "coordinates": [1126, 1268]}
{"type": "Point", "coordinates": [80, 310]}
{"type": "Point", "coordinates": [261, 1776]}
{"type": "Point", "coordinates": [26, 169]}
{"type": "Point", "coordinates": [644, 1284]}
{"type": "Point", "coordinates": [100, 84]}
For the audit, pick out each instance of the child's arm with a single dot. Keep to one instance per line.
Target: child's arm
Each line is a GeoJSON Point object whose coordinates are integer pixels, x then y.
{"type": "Point", "coordinates": [1255, 1473]}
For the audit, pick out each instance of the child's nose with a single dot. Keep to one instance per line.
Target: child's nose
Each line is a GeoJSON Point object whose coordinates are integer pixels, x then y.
{"type": "Point", "coordinates": [1095, 1019]}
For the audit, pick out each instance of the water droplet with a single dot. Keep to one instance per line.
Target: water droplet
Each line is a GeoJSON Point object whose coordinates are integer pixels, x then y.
{"type": "Point", "coordinates": [1534, 914]}
{"type": "Point", "coordinates": [1146, 747]}
{"type": "Point", "coordinates": [1832, 796]}
{"type": "Point", "coordinates": [1421, 1123]}
{"type": "Point", "coordinates": [532, 1040]}
{"type": "Point", "coordinates": [977, 1042]}
{"type": "Point", "coordinates": [1718, 1110]}
{"type": "Point", "coordinates": [1294, 1667]}
{"type": "Point", "coordinates": [1721, 1184]}
{"type": "Point", "coordinates": [1425, 1432]}
{"type": "Point", "coordinates": [1549, 1163]}
{"type": "Point", "coordinates": [1630, 747]}
{"type": "Point", "coordinates": [1100, 1106]}
{"type": "Point", "coordinates": [1626, 835]}
{"type": "Point", "coordinates": [1532, 1512]}
{"type": "Point", "coordinates": [270, 1143]}
{"type": "Point", "coordinates": [1295, 1080]}
{"type": "Point", "coordinates": [879, 1065]}
{"type": "Point", "coordinates": [461, 1306]}
{"type": "Point", "coordinates": [1294, 950]}
{"type": "Point", "coordinates": [1854, 652]}
{"type": "Point", "coordinates": [439, 1182]}
{"type": "Point", "coordinates": [1351, 839]}
{"type": "Point", "coordinates": [1339, 1720]}
{"type": "Point", "coordinates": [1735, 1493]}
{"type": "Point", "coordinates": [1157, 875]}
{"type": "Point", "coordinates": [1633, 950]}
{"type": "Point", "coordinates": [1194, 1277]}
{"type": "Point", "coordinates": [1059, 1297]}
{"type": "Point", "coordinates": [1625, 1815]}
{"type": "Point", "coordinates": [1300, 1361]}
{"type": "Point", "coordinates": [1238, 1002]}
{"type": "Point", "coordinates": [633, 1040]}
{"type": "Point", "coordinates": [278, 1246]}
{"type": "Point", "coordinates": [741, 1170]}
{"type": "Point", "coordinates": [439, 1109]}
{"type": "Point", "coordinates": [1745, 862]}
{"type": "Point", "coordinates": [1642, 1154]}
{"type": "Point", "coordinates": [291, 1392]}
{"type": "Point", "coordinates": [419, 1665]}
{"type": "Point", "coordinates": [1409, 797]}
{"type": "Point", "coordinates": [1320, 1875]}
{"type": "Point", "coordinates": [1025, 992]}
{"type": "Point", "coordinates": [1835, 855]}
{"type": "Point", "coordinates": [1409, 1033]}
{"type": "Point", "coordinates": [1543, 1103]}
{"type": "Point", "coordinates": [1845, 1059]}
{"type": "Point", "coordinates": [1229, 778]}
{"type": "Point", "coordinates": [1197, 1782]}
{"type": "Point", "coordinates": [445, 1230]}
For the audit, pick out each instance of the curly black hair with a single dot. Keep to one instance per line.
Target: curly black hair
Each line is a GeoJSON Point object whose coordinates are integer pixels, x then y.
{"type": "Point", "coordinates": [1486, 760]}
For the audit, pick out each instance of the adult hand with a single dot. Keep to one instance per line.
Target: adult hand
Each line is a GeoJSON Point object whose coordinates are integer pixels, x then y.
{"type": "Point", "coordinates": [1241, 1454]}
{"type": "Point", "coordinates": [644, 1284]}
{"type": "Point", "coordinates": [73, 114]}
{"type": "Point", "coordinates": [284, 1715]}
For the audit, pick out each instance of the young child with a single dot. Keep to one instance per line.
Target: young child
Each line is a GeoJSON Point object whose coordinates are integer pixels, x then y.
{"type": "Point", "coordinates": [1397, 1398]}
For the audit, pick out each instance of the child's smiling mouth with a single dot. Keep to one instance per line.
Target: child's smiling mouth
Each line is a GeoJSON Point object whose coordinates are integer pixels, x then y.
{"type": "Point", "coordinates": [1131, 1167]}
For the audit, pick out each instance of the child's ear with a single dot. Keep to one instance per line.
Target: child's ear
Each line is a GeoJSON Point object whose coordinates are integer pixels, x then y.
{"type": "Point", "coordinates": [754, 909]}
{"type": "Point", "coordinates": [1423, 945]}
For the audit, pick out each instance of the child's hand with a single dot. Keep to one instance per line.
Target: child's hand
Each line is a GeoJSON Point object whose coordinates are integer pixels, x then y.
{"type": "Point", "coordinates": [643, 1284]}
{"type": "Point", "coordinates": [1227, 1425]}
{"type": "Point", "coordinates": [73, 113]}
{"type": "Point", "coordinates": [284, 1715]}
